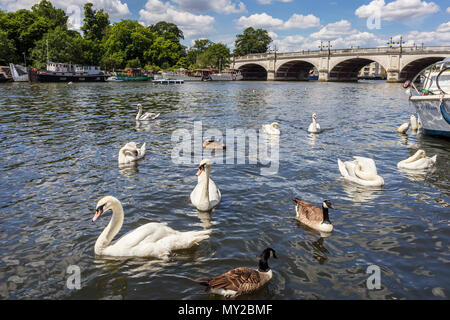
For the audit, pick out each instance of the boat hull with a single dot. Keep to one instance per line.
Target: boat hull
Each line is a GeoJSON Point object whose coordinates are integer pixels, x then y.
{"type": "Point", "coordinates": [226, 77]}
{"type": "Point", "coordinates": [19, 73]}
{"type": "Point", "coordinates": [434, 113]}
{"type": "Point", "coordinates": [39, 76]}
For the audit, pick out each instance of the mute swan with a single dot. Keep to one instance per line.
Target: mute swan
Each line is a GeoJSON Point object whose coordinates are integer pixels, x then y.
{"type": "Point", "coordinates": [313, 217]}
{"type": "Point", "coordinates": [211, 144]}
{"type": "Point", "coordinates": [145, 116]}
{"type": "Point", "coordinates": [271, 128]}
{"type": "Point", "coordinates": [130, 153]}
{"type": "Point", "coordinates": [413, 121]}
{"type": "Point", "coordinates": [314, 127]}
{"type": "Point", "coordinates": [418, 161]}
{"type": "Point", "coordinates": [150, 240]}
{"type": "Point", "coordinates": [205, 196]}
{"type": "Point", "coordinates": [404, 127]}
{"type": "Point", "coordinates": [241, 280]}
{"type": "Point", "coordinates": [361, 171]}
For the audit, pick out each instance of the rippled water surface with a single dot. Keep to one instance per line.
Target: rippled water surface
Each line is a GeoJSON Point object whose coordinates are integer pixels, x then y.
{"type": "Point", "coordinates": [59, 147]}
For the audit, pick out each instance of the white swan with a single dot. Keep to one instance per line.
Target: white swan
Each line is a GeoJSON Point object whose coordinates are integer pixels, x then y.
{"type": "Point", "coordinates": [271, 128]}
{"type": "Point", "coordinates": [150, 240]}
{"type": "Point", "coordinates": [361, 171]}
{"type": "Point", "coordinates": [314, 127]}
{"type": "Point", "coordinates": [145, 116]}
{"type": "Point", "coordinates": [205, 196]}
{"type": "Point", "coordinates": [414, 124]}
{"type": "Point", "coordinates": [130, 153]}
{"type": "Point", "coordinates": [419, 161]}
{"type": "Point", "coordinates": [404, 127]}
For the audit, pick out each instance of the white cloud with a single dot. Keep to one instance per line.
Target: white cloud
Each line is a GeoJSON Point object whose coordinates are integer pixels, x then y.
{"type": "Point", "coordinates": [399, 10]}
{"type": "Point", "coordinates": [116, 9]}
{"type": "Point", "coordinates": [445, 27]}
{"type": "Point", "coordinates": [430, 38]}
{"type": "Point", "coordinates": [219, 6]}
{"type": "Point", "coordinates": [263, 20]}
{"type": "Point", "coordinates": [192, 25]}
{"type": "Point", "coordinates": [448, 10]}
{"type": "Point", "coordinates": [334, 30]}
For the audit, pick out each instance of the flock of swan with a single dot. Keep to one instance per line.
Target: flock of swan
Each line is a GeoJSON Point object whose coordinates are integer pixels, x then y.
{"type": "Point", "coordinates": [158, 240]}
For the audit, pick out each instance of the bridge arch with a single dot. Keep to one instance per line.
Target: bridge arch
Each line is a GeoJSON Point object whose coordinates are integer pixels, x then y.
{"type": "Point", "coordinates": [412, 66]}
{"type": "Point", "coordinates": [295, 70]}
{"type": "Point", "coordinates": [347, 69]}
{"type": "Point", "coordinates": [253, 71]}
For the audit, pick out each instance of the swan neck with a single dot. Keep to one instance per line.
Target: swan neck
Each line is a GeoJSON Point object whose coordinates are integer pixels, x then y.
{"type": "Point", "coordinates": [114, 226]}
{"type": "Point", "coordinates": [205, 190]}
{"type": "Point", "coordinates": [138, 116]}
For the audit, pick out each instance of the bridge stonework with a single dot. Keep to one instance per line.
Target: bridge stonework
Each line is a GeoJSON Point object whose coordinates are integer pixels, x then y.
{"type": "Point", "coordinates": [401, 64]}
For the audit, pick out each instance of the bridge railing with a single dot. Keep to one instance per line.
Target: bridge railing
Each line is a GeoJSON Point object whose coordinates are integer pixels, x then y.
{"type": "Point", "coordinates": [362, 51]}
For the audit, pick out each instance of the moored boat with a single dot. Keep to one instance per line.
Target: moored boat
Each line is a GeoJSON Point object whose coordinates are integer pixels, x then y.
{"type": "Point", "coordinates": [130, 74]}
{"type": "Point", "coordinates": [227, 75]}
{"type": "Point", "coordinates": [64, 72]}
{"type": "Point", "coordinates": [431, 99]}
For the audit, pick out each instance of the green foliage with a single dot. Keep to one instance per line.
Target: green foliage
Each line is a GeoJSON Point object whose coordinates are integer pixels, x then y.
{"type": "Point", "coordinates": [63, 46]}
{"type": "Point", "coordinates": [165, 29]}
{"type": "Point", "coordinates": [163, 52]}
{"type": "Point", "coordinates": [134, 63]}
{"type": "Point", "coordinates": [252, 41]}
{"type": "Point", "coordinates": [95, 23]}
{"type": "Point", "coordinates": [6, 49]}
{"type": "Point", "coordinates": [217, 56]}
{"type": "Point", "coordinates": [202, 44]}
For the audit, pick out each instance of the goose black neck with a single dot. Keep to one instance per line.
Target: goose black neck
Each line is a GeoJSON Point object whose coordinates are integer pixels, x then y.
{"type": "Point", "coordinates": [263, 265]}
{"type": "Point", "coordinates": [326, 217]}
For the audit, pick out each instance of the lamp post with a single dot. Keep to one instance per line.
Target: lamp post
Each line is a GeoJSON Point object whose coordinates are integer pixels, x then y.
{"type": "Point", "coordinates": [390, 43]}
{"type": "Point", "coordinates": [401, 42]}
{"type": "Point", "coordinates": [321, 45]}
{"type": "Point", "coordinates": [24, 58]}
{"type": "Point", "coordinates": [329, 48]}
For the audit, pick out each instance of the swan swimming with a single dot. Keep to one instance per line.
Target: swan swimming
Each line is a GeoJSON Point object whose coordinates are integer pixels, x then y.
{"type": "Point", "coordinates": [362, 171]}
{"type": "Point", "coordinates": [271, 129]}
{"type": "Point", "coordinates": [145, 116]}
{"type": "Point", "coordinates": [205, 196]}
{"type": "Point", "coordinates": [314, 127]}
{"type": "Point", "coordinates": [149, 240]}
{"type": "Point", "coordinates": [404, 127]}
{"type": "Point", "coordinates": [130, 153]}
{"type": "Point", "coordinates": [419, 161]}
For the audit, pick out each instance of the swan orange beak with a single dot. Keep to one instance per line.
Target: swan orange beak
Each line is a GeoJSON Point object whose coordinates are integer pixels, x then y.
{"type": "Point", "coordinates": [97, 214]}
{"type": "Point", "coordinates": [200, 170]}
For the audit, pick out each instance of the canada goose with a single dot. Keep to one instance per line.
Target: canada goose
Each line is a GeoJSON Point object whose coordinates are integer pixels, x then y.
{"type": "Point", "coordinates": [241, 280]}
{"type": "Point", "coordinates": [145, 116]}
{"type": "Point", "coordinates": [419, 161]}
{"type": "Point", "coordinates": [148, 240]}
{"type": "Point", "coordinates": [314, 127]}
{"type": "Point", "coordinates": [271, 129]}
{"type": "Point", "coordinates": [130, 153]}
{"type": "Point", "coordinates": [212, 144]}
{"type": "Point", "coordinates": [313, 217]}
{"type": "Point", "coordinates": [205, 196]}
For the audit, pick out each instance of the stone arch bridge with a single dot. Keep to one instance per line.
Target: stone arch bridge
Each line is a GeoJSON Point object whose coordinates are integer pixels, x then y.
{"type": "Point", "coordinates": [401, 63]}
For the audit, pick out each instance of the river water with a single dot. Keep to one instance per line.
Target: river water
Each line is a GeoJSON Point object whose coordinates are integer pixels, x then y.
{"type": "Point", "coordinates": [59, 148]}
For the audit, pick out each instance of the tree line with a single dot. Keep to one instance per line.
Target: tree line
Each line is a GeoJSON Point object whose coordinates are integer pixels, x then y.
{"type": "Point", "coordinates": [41, 33]}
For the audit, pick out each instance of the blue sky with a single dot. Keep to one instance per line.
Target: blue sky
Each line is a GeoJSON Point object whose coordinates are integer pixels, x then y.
{"type": "Point", "coordinates": [294, 25]}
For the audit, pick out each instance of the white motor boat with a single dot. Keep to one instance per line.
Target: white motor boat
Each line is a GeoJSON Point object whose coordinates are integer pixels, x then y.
{"type": "Point", "coordinates": [431, 98]}
{"type": "Point", "coordinates": [19, 73]}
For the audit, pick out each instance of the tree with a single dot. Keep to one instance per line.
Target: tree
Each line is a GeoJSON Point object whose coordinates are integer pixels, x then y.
{"type": "Point", "coordinates": [25, 27]}
{"type": "Point", "coordinates": [95, 23]}
{"type": "Point", "coordinates": [202, 44]}
{"type": "Point", "coordinates": [164, 52]}
{"type": "Point", "coordinates": [163, 27]}
{"type": "Point", "coordinates": [125, 41]}
{"type": "Point", "coordinates": [63, 46]}
{"type": "Point", "coordinates": [252, 41]}
{"type": "Point", "coordinates": [6, 49]}
{"type": "Point", "coordinates": [217, 55]}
